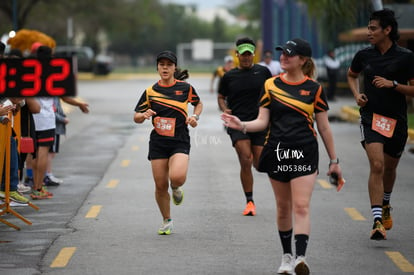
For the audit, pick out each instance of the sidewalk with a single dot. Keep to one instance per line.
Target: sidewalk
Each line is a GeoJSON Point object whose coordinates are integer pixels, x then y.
{"type": "Point", "coordinates": [343, 108]}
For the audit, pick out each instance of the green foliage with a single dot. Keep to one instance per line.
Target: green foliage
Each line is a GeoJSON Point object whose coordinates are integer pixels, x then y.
{"type": "Point", "coordinates": [249, 9]}
{"type": "Point", "coordinates": [134, 27]}
{"type": "Point", "coordinates": [335, 16]}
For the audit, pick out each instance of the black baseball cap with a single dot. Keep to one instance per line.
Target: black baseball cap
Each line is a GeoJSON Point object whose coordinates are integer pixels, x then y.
{"type": "Point", "coordinates": [167, 55]}
{"type": "Point", "coordinates": [296, 46]}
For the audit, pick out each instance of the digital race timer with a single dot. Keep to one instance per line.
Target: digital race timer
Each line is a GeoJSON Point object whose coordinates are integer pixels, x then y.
{"type": "Point", "coordinates": [21, 77]}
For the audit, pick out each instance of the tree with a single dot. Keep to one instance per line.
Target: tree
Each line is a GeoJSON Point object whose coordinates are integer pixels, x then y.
{"type": "Point", "coordinates": [251, 11]}
{"type": "Point", "coordinates": [135, 27]}
{"type": "Point", "coordinates": [219, 30]}
{"type": "Point", "coordinates": [23, 10]}
{"type": "Point", "coordinates": [334, 16]}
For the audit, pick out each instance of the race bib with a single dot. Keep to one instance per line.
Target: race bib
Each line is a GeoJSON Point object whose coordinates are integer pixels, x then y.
{"type": "Point", "coordinates": [383, 125]}
{"type": "Point", "coordinates": [164, 126]}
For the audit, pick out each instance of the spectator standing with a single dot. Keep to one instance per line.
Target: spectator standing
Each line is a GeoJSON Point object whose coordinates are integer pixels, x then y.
{"type": "Point", "coordinates": [11, 106]}
{"type": "Point", "coordinates": [332, 69]}
{"type": "Point", "coordinates": [61, 121]}
{"type": "Point", "coordinates": [272, 65]}
{"type": "Point", "coordinates": [45, 125]}
{"type": "Point", "coordinates": [27, 128]}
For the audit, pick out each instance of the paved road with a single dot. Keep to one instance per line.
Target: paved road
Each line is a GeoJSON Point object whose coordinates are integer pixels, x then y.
{"type": "Point", "coordinates": [104, 219]}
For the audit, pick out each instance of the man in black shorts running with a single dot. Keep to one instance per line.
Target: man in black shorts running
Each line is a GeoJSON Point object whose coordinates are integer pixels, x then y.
{"type": "Point", "coordinates": [388, 71]}
{"type": "Point", "coordinates": [238, 95]}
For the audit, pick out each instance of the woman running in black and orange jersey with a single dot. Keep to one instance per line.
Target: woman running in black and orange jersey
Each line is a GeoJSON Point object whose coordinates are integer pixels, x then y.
{"type": "Point", "coordinates": [166, 102]}
{"type": "Point", "coordinates": [289, 105]}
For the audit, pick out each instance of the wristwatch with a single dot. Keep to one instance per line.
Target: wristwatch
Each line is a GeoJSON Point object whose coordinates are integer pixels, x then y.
{"type": "Point", "coordinates": [333, 161]}
{"type": "Point", "coordinates": [197, 117]}
{"type": "Point", "coordinates": [394, 84]}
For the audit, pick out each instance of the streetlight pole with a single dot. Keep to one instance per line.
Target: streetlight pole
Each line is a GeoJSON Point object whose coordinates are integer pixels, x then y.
{"type": "Point", "coordinates": [377, 5]}
{"type": "Point", "coordinates": [15, 26]}
{"type": "Point", "coordinates": [267, 24]}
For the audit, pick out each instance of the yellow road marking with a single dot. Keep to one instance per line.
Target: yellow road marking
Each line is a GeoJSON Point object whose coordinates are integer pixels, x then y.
{"type": "Point", "coordinates": [354, 214]}
{"type": "Point", "coordinates": [64, 256]}
{"type": "Point", "coordinates": [400, 261]}
{"type": "Point", "coordinates": [94, 211]}
{"type": "Point", "coordinates": [125, 163]}
{"type": "Point", "coordinates": [325, 184]}
{"type": "Point", "coordinates": [135, 148]}
{"type": "Point", "coordinates": [112, 184]}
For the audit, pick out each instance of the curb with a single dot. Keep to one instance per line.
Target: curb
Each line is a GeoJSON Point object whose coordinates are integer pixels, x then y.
{"type": "Point", "coordinates": [114, 76]}
{"type": "Point", "coordinates": [349, 114]}
{"type": "Point", "coordinates": [127, 76]}
{"type": "Point", "coordinates": [352, 115]}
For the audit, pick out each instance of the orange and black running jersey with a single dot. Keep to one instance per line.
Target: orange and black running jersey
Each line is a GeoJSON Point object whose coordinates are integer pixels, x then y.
{"type": "Point", "coordinates": [169, 102]}
{"type": "Point", "coordinates": [241, 88]}
{"type": "Point", "coordinates": [292, 107]}
{"type": "Point", "coordinates": [395, 64]}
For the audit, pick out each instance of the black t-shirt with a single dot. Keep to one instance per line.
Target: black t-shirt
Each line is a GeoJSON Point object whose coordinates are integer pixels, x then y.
{"type": "Point", "coordinates": [396, 64]}
{"type": "Point", "coordinates": [170, 102]}
{"type": "Point", "coordinates": [292, 107]}
{"type": "Point", "coordinates": [241, 88]}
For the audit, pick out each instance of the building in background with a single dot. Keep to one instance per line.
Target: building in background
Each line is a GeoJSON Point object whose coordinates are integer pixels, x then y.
{"type": "Point", "coordinates": [286, 19]}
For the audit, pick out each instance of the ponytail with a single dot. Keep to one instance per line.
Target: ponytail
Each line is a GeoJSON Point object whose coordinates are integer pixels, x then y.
{"type": "Point", "coordinates": [309, 68]}
{"type": "Point", "coordinates": [181, 74]}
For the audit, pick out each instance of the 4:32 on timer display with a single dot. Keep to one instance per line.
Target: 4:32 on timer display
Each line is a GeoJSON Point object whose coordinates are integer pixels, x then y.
{"type": "Point", "coordinates": [28, 77]}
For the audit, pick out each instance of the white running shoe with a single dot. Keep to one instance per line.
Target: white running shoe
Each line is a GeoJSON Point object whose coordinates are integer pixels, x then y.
{"type": "Point", "coordinates": [17, 204]}
{"type": "Point", "coordinates": [55, 179]}
{"type": "Point", "coordinates": [301, 267]}
{"type": "Point", "coordinates": [177, 195]}
{"type": "Point", "coordinates": [166, 227]}
{"type": "Point", "coordinates": [23, 188]}
{"type": "Point", "coordinates": [286, 267]}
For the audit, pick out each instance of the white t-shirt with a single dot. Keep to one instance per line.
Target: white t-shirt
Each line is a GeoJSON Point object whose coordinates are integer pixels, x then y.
{"type": "Point", "coordinates": [46, 119]}
{"type": "Point", "coordinates": [331, 63]}
{"type": "Point", "coordinates": [273, 66]}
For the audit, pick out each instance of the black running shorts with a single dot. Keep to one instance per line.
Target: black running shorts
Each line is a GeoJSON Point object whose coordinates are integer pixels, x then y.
{"type": "Point", "coordinates": [257, 138]}
{"type": "Point", "coordinates": [45, 138]}
{"type": "Point", "coordinates": [393, 146]}
{"type": "Point", "coordinates": [286, 162]}
{"type": "Point", "coordinates": [165, 149]}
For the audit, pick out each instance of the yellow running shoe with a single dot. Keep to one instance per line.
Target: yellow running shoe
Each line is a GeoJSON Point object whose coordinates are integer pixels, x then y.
{"type": "Point", "coordinates": [378, 232]}
{"type": "Point", "coordinates": [177, 195]}
{"type": "Point", "coordinates": [166, 227]}
{"type": "Point", "coordinates": [386, 217]}
{"type": "Point", "coordinates": [15, 196]}
{"type": "Point", "coordinates": [250, 209]}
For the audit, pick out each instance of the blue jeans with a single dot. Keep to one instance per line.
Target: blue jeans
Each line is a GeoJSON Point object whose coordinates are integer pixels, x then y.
{"type": "Point", "coordinates": [14, 167]}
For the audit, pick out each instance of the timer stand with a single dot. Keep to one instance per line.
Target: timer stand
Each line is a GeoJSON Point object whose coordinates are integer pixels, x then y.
{"type": "Point", "coordinates": [5, 131]}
